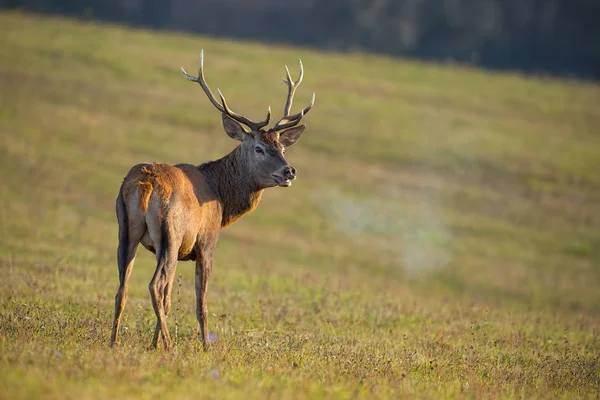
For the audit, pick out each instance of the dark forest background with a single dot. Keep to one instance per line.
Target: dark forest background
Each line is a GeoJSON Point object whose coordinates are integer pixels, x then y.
{"type": "Point", "coordinates": [560, 37]}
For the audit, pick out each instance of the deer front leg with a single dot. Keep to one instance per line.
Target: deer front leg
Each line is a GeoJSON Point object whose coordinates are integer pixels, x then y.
{"type": "Point", "coordinates": [203, 269]}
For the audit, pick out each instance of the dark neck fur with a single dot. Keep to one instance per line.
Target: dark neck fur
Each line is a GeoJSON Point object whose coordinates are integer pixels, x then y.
{"type": "Point", "coordinates": [230, 180]}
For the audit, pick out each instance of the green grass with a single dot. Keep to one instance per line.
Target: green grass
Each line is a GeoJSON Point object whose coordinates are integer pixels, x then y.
{"type": "Point", "coordinates": [442, 240]}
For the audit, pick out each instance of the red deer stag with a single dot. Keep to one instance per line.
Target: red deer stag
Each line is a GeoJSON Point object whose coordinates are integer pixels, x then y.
{"type": "Point", "coordinates": [177, 212]}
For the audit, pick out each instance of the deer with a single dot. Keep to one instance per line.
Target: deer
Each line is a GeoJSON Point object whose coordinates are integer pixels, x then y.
{"type": "Point", "coordinates": [177, 211]}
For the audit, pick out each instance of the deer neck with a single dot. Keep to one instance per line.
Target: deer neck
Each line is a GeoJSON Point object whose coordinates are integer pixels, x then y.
{"type": "Point", "coordinates": [233, 184]}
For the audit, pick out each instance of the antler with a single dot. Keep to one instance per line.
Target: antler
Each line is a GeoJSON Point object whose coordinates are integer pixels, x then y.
{"type": "Point", "coordinates": [291, 120]}
{"type": "Point", "coordinates": [255, 126]}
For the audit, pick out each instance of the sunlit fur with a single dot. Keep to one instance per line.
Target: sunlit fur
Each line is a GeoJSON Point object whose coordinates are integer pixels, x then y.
{"type": "Point", "coordinates": [178, 211]}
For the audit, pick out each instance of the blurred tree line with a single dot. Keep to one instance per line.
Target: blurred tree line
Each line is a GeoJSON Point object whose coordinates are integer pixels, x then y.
{"type": "Point", "coordinates": [552, 36]}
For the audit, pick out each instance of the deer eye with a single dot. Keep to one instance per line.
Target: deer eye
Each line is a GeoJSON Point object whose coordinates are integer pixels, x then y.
{"type": "Point", "coordinates": [258, 150]}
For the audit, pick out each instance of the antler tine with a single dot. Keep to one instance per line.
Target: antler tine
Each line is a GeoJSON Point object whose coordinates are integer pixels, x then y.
{"type": "Point", "coordinates": [200, 79]}
{"type": "Point", "coordinates": [241, 118]}
{"type": "Point", "coordinates": [290, 120]}
{"type": "Point", "coordinates": [293, 120]}
{"type": "Point", "coordinates": [223, 105]}
{"type": "Point", "coordinates": [291, 87]}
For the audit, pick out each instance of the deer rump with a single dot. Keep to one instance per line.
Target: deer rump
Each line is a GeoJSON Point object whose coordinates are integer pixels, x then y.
{"type": "Point", "coordinates": [158, 202]}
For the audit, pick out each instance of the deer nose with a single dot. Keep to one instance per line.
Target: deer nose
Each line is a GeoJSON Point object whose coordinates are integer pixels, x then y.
{"type": "Point", "coordinates": [289, 172]}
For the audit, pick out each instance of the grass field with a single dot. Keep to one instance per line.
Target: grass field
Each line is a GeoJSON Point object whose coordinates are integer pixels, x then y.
{"type": "Point", "coordinates": [442, 240]}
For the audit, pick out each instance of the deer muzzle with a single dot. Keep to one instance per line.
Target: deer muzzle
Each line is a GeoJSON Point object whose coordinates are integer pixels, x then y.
{"type": "Point", "coordinates": [285, 176]}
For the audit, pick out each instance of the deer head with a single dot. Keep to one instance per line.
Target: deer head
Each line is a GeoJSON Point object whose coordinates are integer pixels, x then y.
{"type": "Point", "coordinates": [262, 150]}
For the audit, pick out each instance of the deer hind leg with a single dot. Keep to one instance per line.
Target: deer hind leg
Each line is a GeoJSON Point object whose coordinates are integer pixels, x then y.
{"type": "Point", "coordinates": [167, 293]}
{"type": "Point", "coordinates": [162, 279]}
{"type": "Point", "coordinates": [166, 286]}
{"type": "Point", "coordinates": [156, 294]}
{"type": "Point", "coordinates": [129, 237]}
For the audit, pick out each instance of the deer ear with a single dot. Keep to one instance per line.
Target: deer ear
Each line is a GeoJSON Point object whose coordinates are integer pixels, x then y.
{"type": "Point", "coordinates": [233, 129]}
{"type": "Point", "coordinates": [290, 136]}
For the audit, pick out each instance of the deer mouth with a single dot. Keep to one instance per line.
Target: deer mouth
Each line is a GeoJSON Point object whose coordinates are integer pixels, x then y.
{"type": "Point", "coordinates": [281, 181]}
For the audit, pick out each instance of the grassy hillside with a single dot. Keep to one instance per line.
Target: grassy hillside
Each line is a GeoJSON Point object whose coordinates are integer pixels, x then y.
{"type": "Point", "coordinates": [442, 240]}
